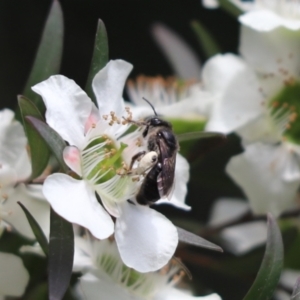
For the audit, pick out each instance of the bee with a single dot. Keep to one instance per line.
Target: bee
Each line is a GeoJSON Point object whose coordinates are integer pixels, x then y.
{"type": "Point", "coordinates": [160, 159]}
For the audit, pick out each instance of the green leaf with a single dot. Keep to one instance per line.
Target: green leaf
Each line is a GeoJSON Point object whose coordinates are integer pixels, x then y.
{"type": "Point", "coordinates": [99, 59]}
{"type": "Point", "coordinates": [37, 230]}
{"type": "Point", "coordinates": [205, 39]}
{"type": "Point", "coordinates": [230, 8]}
{"type": "Point", "coordinates": [38, 148]}
{"type": "Point", "coordinates": [296, 290]}
{"type": "Point", "coordinates": [61, 255]}
{"type": "Point", "coordinates": [195, 240]}
{"type": "Point", "coordinates": [271, 266]}
{"type": "Point", "coordinates": [48, 57]}
{"type": "Point", "coordinates": [52, 138]}
{"type": "Point", "coordinates": [200, 135]}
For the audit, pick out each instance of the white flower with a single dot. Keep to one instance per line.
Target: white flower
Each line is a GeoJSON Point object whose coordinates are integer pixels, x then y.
{"type": "Point", "coordinates": [14, 168]}
{"type": "Point", "coordinates": [172, 98]}
{"type": "Point", "coordinates": [13, 275]}
{"type": "Point", "coordinates": [98, 152]}
{"type": "Point", "coordinates": [107, 277]}
{"type": "Point", "coordinates": [264, 111]}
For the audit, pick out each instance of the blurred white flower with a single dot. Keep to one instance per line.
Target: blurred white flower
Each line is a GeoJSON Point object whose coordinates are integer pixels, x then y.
{"type": "Point", "coordinates": [15, 168]}
{"type": "Point", "coordinates": [107, 276]}
{"type": "Point", "coordinates": [13, 275]}
{"type": "Point", "coordinates": [264, 111]}
{"type": "Point", "coordinates": [98, 153]}
{"type": "Point", "coordinates": [171, 97]}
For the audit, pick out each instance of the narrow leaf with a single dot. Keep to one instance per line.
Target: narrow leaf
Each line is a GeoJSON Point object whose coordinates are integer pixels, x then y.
{"type": "Point", "coordinates": [269, 273]}
{"type": "Point", "coordinates": [48, 57]}
{"type": "Point", "coordinates": [195, 240]}
{"type": "Point", "coordinates": [52, 138]}
{"type": "Point", "coordinates": [61, 255]}
{"type": "Point", "coordinates": [99, 59]}
{"type": "Point", "coordinates": [38, 148]}
{"type": "Point", "coordinates": [230, 8]}
{"type": "Point", "coordinates": [296, 290]}
{"type": "Point", "coordinates": [37, 230]}
{"type": "Point", "coordinates": [205, 39]}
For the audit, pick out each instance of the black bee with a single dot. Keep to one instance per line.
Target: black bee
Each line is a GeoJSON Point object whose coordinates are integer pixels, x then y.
{"type": "Point", "coordinates": [161, 141]}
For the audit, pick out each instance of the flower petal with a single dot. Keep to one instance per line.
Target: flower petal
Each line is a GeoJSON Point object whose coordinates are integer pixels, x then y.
{"type": "Point", "coordinates": [13, 276]}
{"type": "Point", "coordinates": [239, 103]}
{"type": "Point", "coordinates": [68, 107]}
{"type": "Point", "coordinates": [181, 57]}
{"type": "Point", "coordinates": [182, 175]}
{"type": "Point", "coordinates": [272, 52]}
{"type": "Point", "coordinates": [269, 176]}
{"type": "Point", "coordinates": [267, 20]}
{"type": "Point", "coordinates": [94, 288]}
{"type": "Point", "coordinates": [108, 86]}
{"type": "Point", "coordinates": [173, 293]}
{"type": "Point", "coordinates": [32, 198]}
{"type": "Point", "coordinates": [242, 238]}
{"type": "Point", "coordinates": [76, 202]}
{"type": "Point", "coordinates": [72, 158]}
{"type": "Point", "coordinates": [146, 239]}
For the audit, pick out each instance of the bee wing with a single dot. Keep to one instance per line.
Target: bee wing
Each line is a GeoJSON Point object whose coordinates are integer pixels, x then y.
{"type": "Point", "coordinates": [165, 179]}
{"type": "Point", "coordinates": [199, 135]}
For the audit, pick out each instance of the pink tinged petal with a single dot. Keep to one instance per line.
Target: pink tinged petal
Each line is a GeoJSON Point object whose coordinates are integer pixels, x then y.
{"type": "Point", "coordinates": [75, 201]}
{"type": "Point", "coordinates": [68, 107]}
{"type": "Point", "coordinates": [108, 86]}
{"type": "Point", "coordinates": [32, 198]}
{"type": "Point", "coordinates": [182, 175]}
{"type": "Point", "coordinates": [268, 175]}
{"type": "Point", "coordinates": [266, 20]}
{"type": "Point", "coordinates": [13, 276]}
{"type": "Point", "coordinates": [72, 158]}
{"type": "Point", "coordinates": [182, 58]}
{"type": "Point", "coordinates": [227, 210]}
{"type": "Point", "coordinates": [240, 103]}
{"type": "Point", "coordinates": [273, 52]}
{"type": "Point", "coordinates": [146, 239]}
{"type": "Point", "coordinates": [242, 238]}
{"type": "Point", "coordinates": [93, 119]}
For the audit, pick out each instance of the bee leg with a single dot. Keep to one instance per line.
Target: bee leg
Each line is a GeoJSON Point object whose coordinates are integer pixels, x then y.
{"type": "Point", "coordinates": [135, 158]}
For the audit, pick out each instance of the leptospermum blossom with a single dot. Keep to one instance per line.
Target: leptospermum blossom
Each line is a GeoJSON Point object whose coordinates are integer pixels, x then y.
{"type": "Point", "coordinates": [106, 276]}
{"type": "Point", "coordinates": [13, 276]}
{"type": "Point", "coordinates": [15, 169]}
{"type": "Point", "coordinates": [264, 111]}
{"type": "Point", "coordinates": [98, 152]}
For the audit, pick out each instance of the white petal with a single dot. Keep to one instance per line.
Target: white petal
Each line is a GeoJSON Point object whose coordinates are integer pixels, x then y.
{"type": "Point", "coordinates": [242, 238]}
{"type": "Point", "coordinates": [32, 198]}
{"type": "Point", "coordinates": [227, 210]}
{"type": "Point", "coordinates": [75, 201]}
{"type": "Point", "coordinates": [146, 239]}
{"type": "Point", "coordinates": [288, 278]}
{"type": "Point", "coordinates": [72, 158]}
{"type": "Point", "coordinates": [13, 275]}
{"type": "Point", "coordinates": [240, 102]}
{"type": "Point", "coordinates": [210, 4]}
{"type": "Point", "coordinates": [219, 70]}
{"type": "Point", "coordinates": [266, 20]}
{"type": "Point", "coordinates": [181, 57]}
{"type": "Point", "coordinates": [93, 288]}
{"type": "Point", "coordinates": [272, 52]}
{"type": "Point", "coordinates": [182, 175]}
{"type": "Point", "coordinates": [269, 176]}
{"type": "Point", "coordinates": [68, 107]}
{"type": "Point", "coordinates": [108, 86]}
{"type": "Point", "coordinates": [174, 294]}
{"type": "Point", "coordinates": [13, 145]}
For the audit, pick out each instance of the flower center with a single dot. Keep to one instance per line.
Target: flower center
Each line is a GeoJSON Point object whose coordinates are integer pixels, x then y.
{"type": "Point", "coordinates": [102, 160]}
{"type": "Point", "coordinates": [284, 111]}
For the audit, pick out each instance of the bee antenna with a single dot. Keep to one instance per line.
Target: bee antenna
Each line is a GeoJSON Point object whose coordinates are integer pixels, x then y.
{"type": "Point", "coordinates": [150, 105]}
